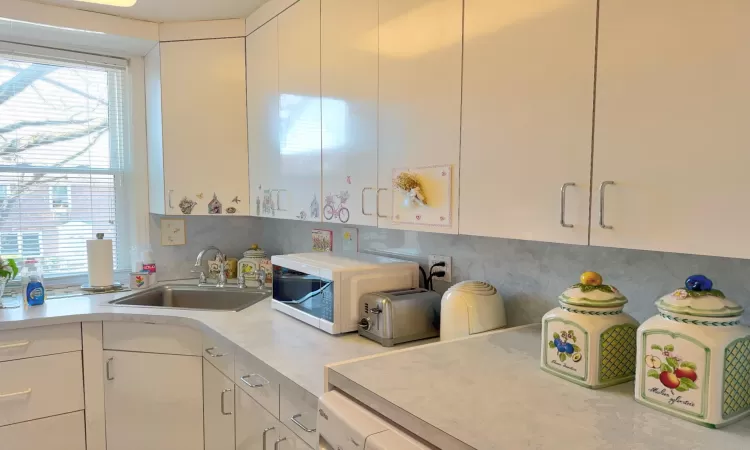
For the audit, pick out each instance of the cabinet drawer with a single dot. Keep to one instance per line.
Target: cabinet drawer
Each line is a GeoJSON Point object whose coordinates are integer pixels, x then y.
{"type": "Point", "coordinates": [259, 380]}
{"type": "Point", "coordinates": [219, 352]}
{"type": "Point", "coordinates": [66, 432]}
{"type": "Point", "coordinates": [152, 338]}
{"type": "Point", "coordinates": [299, 411]}
{"type": "Point", "coordinates": [33, 388]}
{"type": "Point", "coordinates": [39, 341]}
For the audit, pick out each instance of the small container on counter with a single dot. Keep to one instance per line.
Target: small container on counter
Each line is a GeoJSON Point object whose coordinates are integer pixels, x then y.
{"type": "Point", "coordinates": [588, 339]}
{"type": "Point", "coordinates": [139, 280]}
{"type": "Point", "coordinates": [694, 356]}
{"type": "Point", "coordinates": [253, 259]}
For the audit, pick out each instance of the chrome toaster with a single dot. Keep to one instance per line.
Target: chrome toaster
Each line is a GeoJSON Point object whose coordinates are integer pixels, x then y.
{"type": "Point", "coordinates": [395, 317]}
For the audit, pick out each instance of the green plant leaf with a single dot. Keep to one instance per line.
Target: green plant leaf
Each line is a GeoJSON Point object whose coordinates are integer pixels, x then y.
{"type": "Point", "coordinates": [681, 388]}
{"type": "Point", "coordinates": [688, 383]}
{"type": "Point", "coordinates": [671, 361]}
{"type": "Point", "coordinates": [576, 348]}
{"type": "Point", "coordinates": [666, 368]}
{"type": "Point", "coordinates": [653, 373]}
{"type": "Point", "coordinates": [563, 356]}
{"type": "Point", "coordinates": [669, 348]}
{"type": "Point", "coordinates": [655, 347]}
{"type": "Point", "coordinates": [689, 365]}
{"type": "Point", "coordinates": [14, 267]}
{"type": "Point", "coordinates": [551, 344]}
{"type": "Point", "coordinates": [556, 335]}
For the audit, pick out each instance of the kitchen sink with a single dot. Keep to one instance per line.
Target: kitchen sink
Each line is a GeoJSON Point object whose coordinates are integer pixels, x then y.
{"type": "Point", "coordinates": [193, 297]}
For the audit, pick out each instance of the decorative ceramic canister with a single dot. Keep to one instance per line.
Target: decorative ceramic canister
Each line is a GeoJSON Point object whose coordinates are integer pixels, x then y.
{"type": "Point", "coordinates": [589, 340]}
{"type": "Point", "coordinates": [254, 259]}
{"type": "Point", "coordinates": [694, 356]}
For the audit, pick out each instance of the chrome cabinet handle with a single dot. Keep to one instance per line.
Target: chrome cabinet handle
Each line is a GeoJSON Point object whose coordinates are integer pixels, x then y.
{"type": "Point", "coordinates": [265, 432]}
{"type": "Point", "coordinates": [562, 205]}
{"type": "Point", "coordinates": [169, 195]}
{"type": "Point", "coordinates": [211, 353]}
{"type": "Point", "coordinates": [15, 394]}
{"type": "Point", "coordinates": [297, 422]}
{"type": "Point", "coordinates": [109, 369]}
{"type": "Point", "coordinates": [223, 409]}
{"type": "Point", "coordinates": [278, 200]}
{"type": "Point", "coordinates": [363, 200]}
{"type": "Point", "coordinates": [278, 442]}
{"type": "Point", "coordinates": [15, 345]}
{"type": "Point", "coordinates": [245, 377]}
{"type": "Point", "coordinates": [377, 203]}
{"type": "Point", "coordinates": [602, 189]}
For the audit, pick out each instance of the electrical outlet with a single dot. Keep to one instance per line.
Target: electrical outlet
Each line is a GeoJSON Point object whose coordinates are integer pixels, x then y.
{"type": "Point", "coordinates": [448, 270]}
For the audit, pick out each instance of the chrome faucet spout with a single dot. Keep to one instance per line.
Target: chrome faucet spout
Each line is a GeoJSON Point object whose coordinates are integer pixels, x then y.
{"type": "Point", "coordinates": [199, 263]}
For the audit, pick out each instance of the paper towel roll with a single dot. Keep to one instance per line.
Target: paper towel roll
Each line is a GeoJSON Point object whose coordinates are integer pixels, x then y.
{"type": "Point", "coordinates": [99, 253]}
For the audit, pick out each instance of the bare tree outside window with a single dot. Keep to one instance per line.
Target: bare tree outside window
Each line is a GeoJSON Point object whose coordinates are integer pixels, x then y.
{"type": "Point", "coordinates": [61, 146]}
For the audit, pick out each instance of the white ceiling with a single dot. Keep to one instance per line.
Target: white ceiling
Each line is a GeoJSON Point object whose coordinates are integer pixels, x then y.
{"type": "Point", "coordinates": [170, 10]}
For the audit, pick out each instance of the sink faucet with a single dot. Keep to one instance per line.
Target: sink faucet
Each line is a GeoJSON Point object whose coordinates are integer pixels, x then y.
{"type": "Point", "coordinates": [222, 267]}
{"type": "Point", "coordinates": [260, 277]}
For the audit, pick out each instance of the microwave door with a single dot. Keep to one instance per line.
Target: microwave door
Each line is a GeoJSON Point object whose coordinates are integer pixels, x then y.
{"type": "Point", "coordinates": [307, 293]}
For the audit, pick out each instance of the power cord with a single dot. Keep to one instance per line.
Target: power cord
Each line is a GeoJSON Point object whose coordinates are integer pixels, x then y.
{"type": "Point", "coordinates": [439, 273]}
{"type": "Point", "coordinates": [424, 278]}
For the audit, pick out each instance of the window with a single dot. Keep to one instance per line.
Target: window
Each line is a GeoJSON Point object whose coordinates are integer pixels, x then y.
{"type": "Point", "coordinates": [17, 245]}
{"type": "Point", "coordinates": [62, 145]}
{"type": "Point", "coordinates": [59, 198]}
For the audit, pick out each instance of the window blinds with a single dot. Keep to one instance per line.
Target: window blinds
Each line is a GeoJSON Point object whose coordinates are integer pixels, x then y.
{"type": "Point", "coordinates": [61, 161]}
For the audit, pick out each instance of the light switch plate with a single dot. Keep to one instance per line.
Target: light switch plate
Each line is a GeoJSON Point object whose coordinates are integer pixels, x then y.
{"type": "Point", "coordinates": [350, 240]}
{"type": "Point", "coordinates": [448, 269]}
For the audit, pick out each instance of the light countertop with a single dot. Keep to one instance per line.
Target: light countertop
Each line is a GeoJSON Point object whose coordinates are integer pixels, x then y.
{"type": "Point", "coordinates": [488, 392]}
{"type": "Point", "coordinates": [294, 349]}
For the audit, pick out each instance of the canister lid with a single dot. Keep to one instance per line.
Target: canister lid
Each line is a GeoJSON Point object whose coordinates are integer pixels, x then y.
{"type": "Point", "coordinates": [592, 293]}
{"type": "Point", "coordinates": [699, 298]}
{"type": "Point", "coordinates": [254, 252]}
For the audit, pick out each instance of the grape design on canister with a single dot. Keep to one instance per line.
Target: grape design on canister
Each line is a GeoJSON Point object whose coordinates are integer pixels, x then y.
{"type": "Point", "coordinates": [565, 343]}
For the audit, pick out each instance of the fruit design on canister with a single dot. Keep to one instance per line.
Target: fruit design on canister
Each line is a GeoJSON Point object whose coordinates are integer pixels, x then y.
{"type": "Point", "coordinates": [672, 371]}
{"type": "Point", "coordinates": [565, 343]}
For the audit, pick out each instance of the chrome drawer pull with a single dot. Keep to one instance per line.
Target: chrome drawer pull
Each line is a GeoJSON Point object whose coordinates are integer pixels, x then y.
{"type": "Point", "coordinates": [265, 432]}
{"type": "Point", "coordinates": [223, 410]}
{"type": "Point", "coordinates": [109, 369]}
{"type": "Point", "coordinates": [15, 394]}
{"type": "Point", "coordinates": [244, 380]}
{"type": "Point", "coordinates": [211, 353]}
{"type": "Point", "coordinates": [279, 441]}
{"type": "Point", "coordinates": [299, 424]}
{"type": "Point", "coordinates": [15, 345]}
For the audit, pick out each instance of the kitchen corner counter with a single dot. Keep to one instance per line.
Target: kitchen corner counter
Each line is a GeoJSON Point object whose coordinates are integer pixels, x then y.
{"type": "Point", "coordinates": [296, 350]}
{"type": "Point", "coordinates": [488, 392]}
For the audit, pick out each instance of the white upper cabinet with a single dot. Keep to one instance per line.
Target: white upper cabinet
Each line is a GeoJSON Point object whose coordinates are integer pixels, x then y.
{"type": "Point", "coordinates": [298, 183]}
{"type": "Point", "coordinates": [349, 82]}
{"type": "Point", "coordinates": [419, 105]}
{"type": "Point", "coordinates": [263, 117]}
{"type": "Point", "coordinates": [527, 119]}
{"type": "Point", "coordinates": [197, 127]}
{"type": "Point", "coordinates": [672, 104]}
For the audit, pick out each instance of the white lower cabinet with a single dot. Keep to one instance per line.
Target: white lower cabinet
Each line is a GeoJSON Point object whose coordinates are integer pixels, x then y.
{"type": "Point", "coordinates": [218, 409]}
{"type": "Point", "coordinates": [257, 429]}
{"type": "Point", "coordinates": [64, 432]}
{"type": "Point", "coordinates": [153, 401]}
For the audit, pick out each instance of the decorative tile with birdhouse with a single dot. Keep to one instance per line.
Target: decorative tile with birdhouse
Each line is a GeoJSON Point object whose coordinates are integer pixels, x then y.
{"type": "Point", "coordinates": [694, 356]}
{"type": "Point", "coordinates": [588, 339]}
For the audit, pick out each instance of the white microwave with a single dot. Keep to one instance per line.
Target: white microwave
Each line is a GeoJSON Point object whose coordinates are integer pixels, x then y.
{"type": "Point", "coordinates": [323, 289]}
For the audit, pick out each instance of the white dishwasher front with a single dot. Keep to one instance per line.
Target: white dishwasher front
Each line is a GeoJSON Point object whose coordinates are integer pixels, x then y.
{"type": "Point", "coordinates": [346, 425]}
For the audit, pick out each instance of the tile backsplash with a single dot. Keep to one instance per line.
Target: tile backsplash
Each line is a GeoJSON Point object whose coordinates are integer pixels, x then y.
{"type": "Point", "coordinates": [529, 275]}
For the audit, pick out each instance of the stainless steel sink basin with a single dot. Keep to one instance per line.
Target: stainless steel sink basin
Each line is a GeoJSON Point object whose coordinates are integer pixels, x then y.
{"type": "Point", "coordinates": [193, 297]}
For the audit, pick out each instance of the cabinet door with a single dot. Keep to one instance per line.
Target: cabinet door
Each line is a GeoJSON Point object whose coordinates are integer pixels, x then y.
{"type": "Point", "coordinates": [153, 401]}
{"type": "Point", "coordinates": [526, 123]}
{"type": "Point", "coordinates": [218, 409]}
{"type": "Point", "coordinates": [419, 101]}
{"type": "Point", "coordinates": [349, 83]}
{"type": "Point", "coordinates": [671, 106]}
{"type": "Point", "coordinates": [263, 117]}
{"type": "Point", "coordinates": [252, 422]}
{"type": "Point", "coordinates": [299, 113]}
{"type": "Point", "coordinates": [204, 124]}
